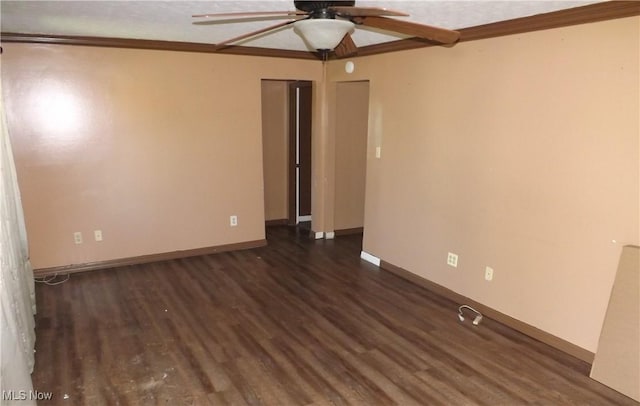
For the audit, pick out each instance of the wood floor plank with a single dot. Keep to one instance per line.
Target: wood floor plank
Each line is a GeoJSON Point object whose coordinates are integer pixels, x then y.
{"type": "Point", "coordinates": [307, 372]}
{"type": "Point", "coordinates": [298, 322]}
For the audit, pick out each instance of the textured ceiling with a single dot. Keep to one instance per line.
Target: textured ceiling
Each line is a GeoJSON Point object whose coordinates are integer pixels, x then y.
{"type": "Point", "coordinates": [172, 21]}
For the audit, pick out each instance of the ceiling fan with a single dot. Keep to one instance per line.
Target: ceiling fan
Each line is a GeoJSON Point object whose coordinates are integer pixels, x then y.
{"type": "Point", "coordinates": [327, 25]}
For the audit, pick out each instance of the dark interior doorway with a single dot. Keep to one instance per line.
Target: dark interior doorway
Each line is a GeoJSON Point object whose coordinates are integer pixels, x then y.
{"type": "Point", "coordinates": [300, 101]}
{"type": "Point", "coordinates": [286, 144]}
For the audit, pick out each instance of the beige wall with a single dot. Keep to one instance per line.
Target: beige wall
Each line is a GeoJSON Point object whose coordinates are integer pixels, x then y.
{"type": "Point", "coordinates": [275, 144]}
{"type": "Point", "coordinates": [157, 149]}
{"type": "Point", "coordinates": [351, 116]}
{"type": "Point", "coordinates": [323, 152]}
{"type": "Point", "coordinates": [520, 153]}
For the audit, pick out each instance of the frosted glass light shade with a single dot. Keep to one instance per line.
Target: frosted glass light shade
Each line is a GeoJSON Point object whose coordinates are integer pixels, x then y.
{"type": "Point", "coordinates": [322, 33]}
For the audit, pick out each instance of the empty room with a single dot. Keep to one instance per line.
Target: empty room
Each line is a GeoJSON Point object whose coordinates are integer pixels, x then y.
{"type": "Point", "coordinates": [320, 202]}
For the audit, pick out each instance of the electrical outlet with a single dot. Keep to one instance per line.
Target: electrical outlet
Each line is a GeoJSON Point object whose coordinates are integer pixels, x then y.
{"type": "Point", "coordinates": [77, 237]}
{"type": "Point", "coordinates": [233, 221]}
{"type": "Point", "coordinates": [97, 235]}
{"type": "Point", "coordinates": [488, 274]}
{"type": "Point", "coordinates": [452, 260]}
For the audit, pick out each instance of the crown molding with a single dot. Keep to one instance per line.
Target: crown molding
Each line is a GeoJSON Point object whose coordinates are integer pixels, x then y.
{"type": "Point", "coordinates": [7, 37]}
{"type": "Point", "coordinates": [603, 11]}
{"type": "Point", "coordinates": [608, 10]}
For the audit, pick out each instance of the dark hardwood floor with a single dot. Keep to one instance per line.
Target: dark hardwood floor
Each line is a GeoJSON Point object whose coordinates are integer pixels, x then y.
{"type": "Point", "coordinates": [299, 322]}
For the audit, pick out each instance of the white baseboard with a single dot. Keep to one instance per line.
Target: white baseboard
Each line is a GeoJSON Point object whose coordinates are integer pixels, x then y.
{"type": "Point", "coordinates": [370, 258]}
{"type": "Point", "coordinates": [319, 235]}
{"type": "Point", "coordinates": [330, 235]}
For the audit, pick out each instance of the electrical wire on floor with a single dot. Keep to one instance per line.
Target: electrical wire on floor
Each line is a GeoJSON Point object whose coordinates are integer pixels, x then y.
{"type": "Point", "coordinates": [51, 280]}
{"type": "Point", "coordinates": [476, 320]}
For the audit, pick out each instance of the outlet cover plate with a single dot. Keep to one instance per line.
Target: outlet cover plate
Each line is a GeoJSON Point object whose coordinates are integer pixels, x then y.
{"type": "Point", "coordinates": [452, 259]}
{"type": "Point", "coordinates": [488, 274]}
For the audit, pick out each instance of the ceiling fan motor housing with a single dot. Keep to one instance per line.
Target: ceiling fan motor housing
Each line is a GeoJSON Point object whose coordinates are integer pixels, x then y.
{"type": "Point", "coordinates": [320, 9]}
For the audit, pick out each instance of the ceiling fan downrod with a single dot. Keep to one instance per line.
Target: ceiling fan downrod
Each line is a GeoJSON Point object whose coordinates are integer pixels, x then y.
{"type": "Point", "coordinates": [319, 9]}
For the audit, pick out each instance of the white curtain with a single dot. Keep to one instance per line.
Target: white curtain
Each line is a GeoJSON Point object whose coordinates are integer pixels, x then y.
{"type": "Point", "coordinates": [17, 295]}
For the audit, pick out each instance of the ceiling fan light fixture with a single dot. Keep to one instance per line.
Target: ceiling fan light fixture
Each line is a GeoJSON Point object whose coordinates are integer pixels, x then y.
{"type": "Point", "coordinates": [323, 33]}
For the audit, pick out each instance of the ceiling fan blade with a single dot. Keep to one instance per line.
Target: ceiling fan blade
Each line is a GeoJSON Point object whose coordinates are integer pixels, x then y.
{"type": "Point", "coordinates": [247, 19]}
{"type": "Point", "coordinates": [428, 32]}
{"type": "Point", "coordinates": [251, 34]}
{"type": "Point", "coordinates": [249, 14]}
{"type": "Point", "coordinates": [344, 11]}
{"type": "Point", "coordinates": [346, 47]}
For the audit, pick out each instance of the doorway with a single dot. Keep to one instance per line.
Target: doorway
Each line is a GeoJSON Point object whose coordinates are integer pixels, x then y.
{"type": "Point", "coordinates": [299, 152]}
{"type": "Point", "coordinates": [286, 136]}
{"type": "Point", "coordinates": [352, 123]}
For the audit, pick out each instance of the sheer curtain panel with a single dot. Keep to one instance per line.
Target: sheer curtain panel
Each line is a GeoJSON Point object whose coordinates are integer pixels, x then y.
{"type": "Point", "coordinates": [17, 296]}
